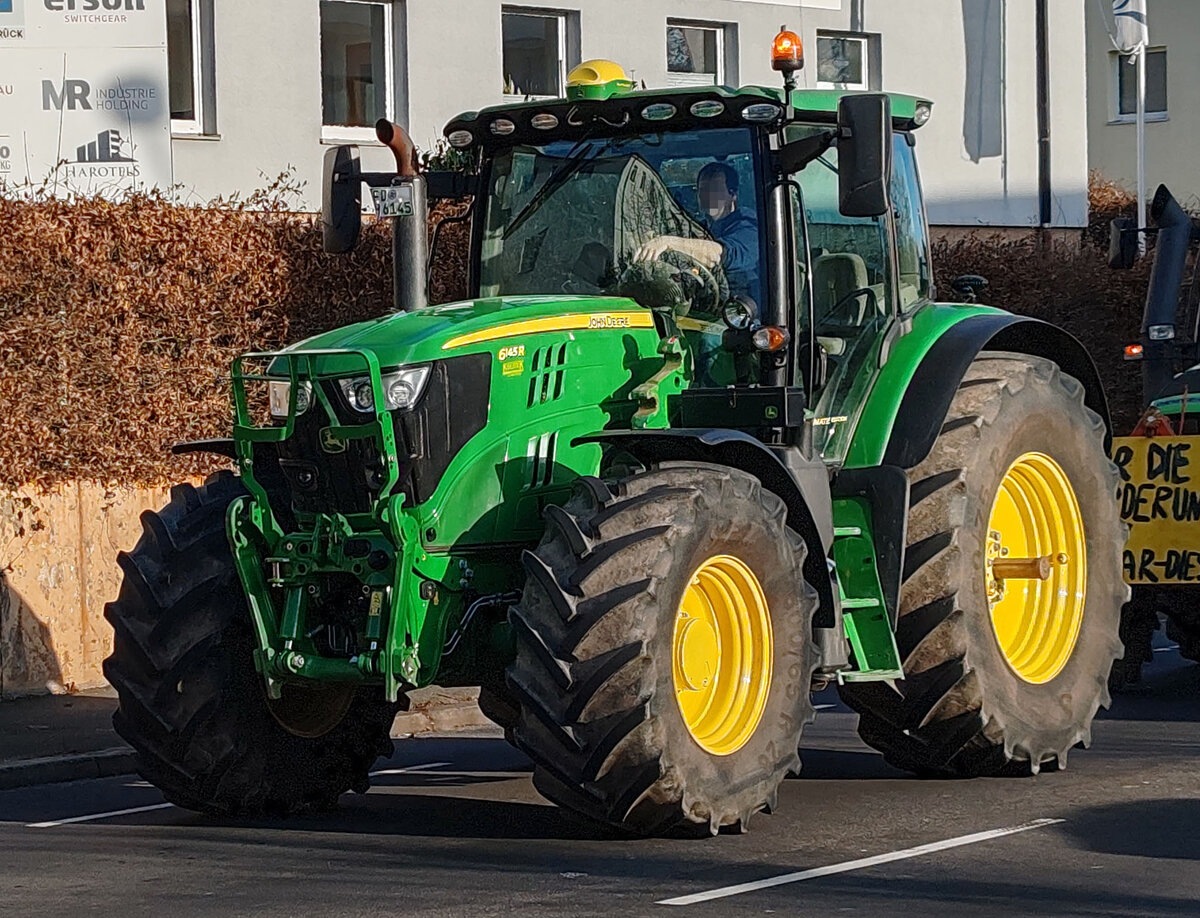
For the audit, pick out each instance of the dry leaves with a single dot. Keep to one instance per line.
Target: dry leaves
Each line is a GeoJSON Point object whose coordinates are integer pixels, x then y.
{"type": "Point", "coordinates": [118, 322]}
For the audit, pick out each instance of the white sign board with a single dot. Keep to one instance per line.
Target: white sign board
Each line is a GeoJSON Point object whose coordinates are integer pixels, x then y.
{"type": "Point", "coordinates": [84, 101]}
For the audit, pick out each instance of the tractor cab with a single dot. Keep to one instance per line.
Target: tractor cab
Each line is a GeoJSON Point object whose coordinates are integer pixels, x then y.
{"type": "Point", "coordinates": [780, 235]}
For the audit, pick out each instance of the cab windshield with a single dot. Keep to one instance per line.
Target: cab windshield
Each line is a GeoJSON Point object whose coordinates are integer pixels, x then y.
{"type": "Point", "coordinates": [633, 216]}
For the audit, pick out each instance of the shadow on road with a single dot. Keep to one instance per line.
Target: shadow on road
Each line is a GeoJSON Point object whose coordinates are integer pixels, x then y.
{"type": "Point", "coordinates": [437, 816]}
{"type": "Point", "coordinates": [1166, 828]}
{"type": "Point", "coordinates": [1169, 691]}
{"type": "Point", "coordinates": [846, 765]}
{"type": "Point", "coordinates": [955, 895]}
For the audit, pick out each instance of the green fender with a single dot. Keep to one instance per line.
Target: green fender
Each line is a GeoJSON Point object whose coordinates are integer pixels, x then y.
{"type": "Point", "coordinates": [906, 406]}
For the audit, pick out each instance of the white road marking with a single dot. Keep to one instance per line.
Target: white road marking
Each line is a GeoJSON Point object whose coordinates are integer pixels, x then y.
{"type": "Point", "coordinates": [823, 707]}
{"type": "Point", "coordinates": [860, 864]}
{"type": "Point", "coordinates": [409, 769]}
{"type": "Point", "coordinates": [63, 822]}
{"type": "Point", "coordinates": [1166, 649]}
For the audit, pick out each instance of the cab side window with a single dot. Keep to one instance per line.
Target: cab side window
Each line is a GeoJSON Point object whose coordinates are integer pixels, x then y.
{"type": "Point", "coordinates": [912, 232]}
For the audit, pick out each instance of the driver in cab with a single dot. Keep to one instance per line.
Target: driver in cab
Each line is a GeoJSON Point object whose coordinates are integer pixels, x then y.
{"type": "Point", "coordinates": [734, 242]}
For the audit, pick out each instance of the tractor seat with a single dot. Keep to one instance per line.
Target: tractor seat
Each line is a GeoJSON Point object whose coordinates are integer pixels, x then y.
{"type": "Point", "coordinates": [834, 277]}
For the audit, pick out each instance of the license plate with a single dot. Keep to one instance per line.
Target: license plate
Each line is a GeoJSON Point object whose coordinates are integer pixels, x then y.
{"type": "Point", "coordinates": [393, 201]}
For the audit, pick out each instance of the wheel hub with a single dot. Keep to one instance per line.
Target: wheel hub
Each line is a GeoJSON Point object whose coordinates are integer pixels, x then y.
{"type": "Point", "coordinates": [1035, 567]}
{"type": "Point", "coordinates": [722, 651]}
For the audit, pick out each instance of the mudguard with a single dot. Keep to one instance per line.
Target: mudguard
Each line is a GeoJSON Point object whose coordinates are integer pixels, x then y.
{"type": "Point", "coordinates": [927, 398]}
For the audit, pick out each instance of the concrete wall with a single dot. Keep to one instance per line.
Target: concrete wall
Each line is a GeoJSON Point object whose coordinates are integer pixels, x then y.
{"type": "Point", "coordinates": [974, 58]}
{"type": "Point", "coordinates": [1171, 145]}
{"type": "Point", "coordinates": [59, 569]}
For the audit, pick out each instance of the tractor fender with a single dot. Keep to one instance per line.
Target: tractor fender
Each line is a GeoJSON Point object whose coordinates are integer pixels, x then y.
{"type": "Point", "coordinates": [802, 483]}
{"type": "Point", "coordinates": [927, 398]}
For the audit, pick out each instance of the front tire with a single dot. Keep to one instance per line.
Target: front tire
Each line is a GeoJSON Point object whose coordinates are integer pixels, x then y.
{"type": "Point", "coordinates": [633, 711]}
{"type": "Point", "coordinates": [191, 702]}
{"type": "Point", "coordinates": [1004, 681]}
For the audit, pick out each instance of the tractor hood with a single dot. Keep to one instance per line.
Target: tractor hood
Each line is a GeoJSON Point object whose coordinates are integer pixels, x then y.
{"type": "Point", "coordinates": [468, 327]}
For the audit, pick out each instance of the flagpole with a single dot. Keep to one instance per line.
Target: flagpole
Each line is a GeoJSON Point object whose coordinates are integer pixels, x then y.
{"type": "Point", "coordinates": [1141, 146]}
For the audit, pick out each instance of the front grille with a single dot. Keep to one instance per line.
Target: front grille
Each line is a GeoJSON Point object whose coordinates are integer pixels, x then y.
{"type": "Point", "coordinates": [321, 481]}
{"type": "Point", "coordinates": [303, 476]}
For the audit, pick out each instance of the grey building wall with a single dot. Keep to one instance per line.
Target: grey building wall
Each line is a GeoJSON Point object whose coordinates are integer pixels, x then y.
{"type": "Point", "coordinates": [973, 58]}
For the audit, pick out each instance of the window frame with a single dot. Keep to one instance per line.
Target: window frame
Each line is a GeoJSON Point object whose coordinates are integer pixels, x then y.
{"type": "Point", "coordinates": [562, 18]}
{"type": "Point", "coordinates": [869, 44]}
{"type": "Point", "coordinates": [203, 76]}
{"type": "Point", "coordinates": [722, 31]}
{"type": "Point", "coordinates": [337, 133]}
{"type": "Point", "coordinates": [1115, 115]}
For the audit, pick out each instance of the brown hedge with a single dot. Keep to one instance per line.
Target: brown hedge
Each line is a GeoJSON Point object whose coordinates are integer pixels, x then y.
{"type": "Point", "coordinates": [118, 321]}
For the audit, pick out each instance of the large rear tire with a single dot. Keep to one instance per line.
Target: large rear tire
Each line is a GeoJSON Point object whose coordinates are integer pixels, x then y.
{"type": "Point", "coordinates": [191, 703]}
{"type": "Point", "coordinates": [1003, 682]}
{"type": "Point", "coordinates": [664, 651]}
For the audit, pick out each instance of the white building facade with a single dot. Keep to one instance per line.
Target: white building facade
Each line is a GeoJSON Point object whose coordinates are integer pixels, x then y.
{"type": "Point", "coordinates": [259, 87]}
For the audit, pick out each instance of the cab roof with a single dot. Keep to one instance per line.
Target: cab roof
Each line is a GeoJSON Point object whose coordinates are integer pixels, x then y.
{"type": "Point", "coordinates": [622, 109]}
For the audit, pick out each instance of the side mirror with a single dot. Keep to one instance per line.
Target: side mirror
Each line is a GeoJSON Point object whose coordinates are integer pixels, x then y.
{"type": "Point", "coordinates": [341, 200]}
{"type": "Point", "coordinates": [1122, 243]}
{"type": "Point", "coordinates": [864, 154]}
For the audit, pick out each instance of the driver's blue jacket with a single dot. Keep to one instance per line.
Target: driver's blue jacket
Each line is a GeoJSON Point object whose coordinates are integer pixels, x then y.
{"type": "Point", "coordinates": [738, 234]}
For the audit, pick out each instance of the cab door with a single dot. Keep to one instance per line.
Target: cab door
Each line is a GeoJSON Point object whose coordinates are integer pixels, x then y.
{"type": "Point", "coordinates": [863, 275]}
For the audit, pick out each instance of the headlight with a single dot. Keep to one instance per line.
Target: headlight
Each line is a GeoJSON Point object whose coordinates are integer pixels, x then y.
{"type": "Point", "coordinates": [401, 388]}
{"type": "Point", "coordinates": [279, 394]}
{"type": "Point", "coordinates": [1161, 332]}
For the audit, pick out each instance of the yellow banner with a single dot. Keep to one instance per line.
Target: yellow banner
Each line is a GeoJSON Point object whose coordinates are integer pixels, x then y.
{"type": "Point", "coordinates": [1160, 501]}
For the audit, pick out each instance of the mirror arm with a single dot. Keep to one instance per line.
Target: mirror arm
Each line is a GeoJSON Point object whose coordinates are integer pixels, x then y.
{"type": "Point", "coordinates": [794, 156]}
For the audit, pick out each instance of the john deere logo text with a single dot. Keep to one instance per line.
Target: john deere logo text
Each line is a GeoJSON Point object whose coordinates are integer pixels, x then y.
{"type": "Point", "coordinates": [608, 321]}
{"type": "Point", "coordinates": [515, 350]}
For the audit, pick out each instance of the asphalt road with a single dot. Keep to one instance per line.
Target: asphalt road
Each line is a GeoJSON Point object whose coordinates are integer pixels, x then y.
{"type": "Point", "coordinates": [454, 827]}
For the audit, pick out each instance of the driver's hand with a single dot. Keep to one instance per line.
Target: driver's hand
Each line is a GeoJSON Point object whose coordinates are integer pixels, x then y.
{"type": "Point", "coordinates": [705, 251]}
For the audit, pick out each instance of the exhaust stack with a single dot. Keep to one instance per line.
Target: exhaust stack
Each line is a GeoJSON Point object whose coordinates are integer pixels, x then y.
{"type": "Point", "coordinates": [1175, 234]}
{"type": "Point", "coordinates": [401, 196]}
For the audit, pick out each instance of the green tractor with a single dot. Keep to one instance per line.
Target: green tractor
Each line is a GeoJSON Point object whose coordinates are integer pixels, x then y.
{"type": "Point", "coordinates": [701, 442]}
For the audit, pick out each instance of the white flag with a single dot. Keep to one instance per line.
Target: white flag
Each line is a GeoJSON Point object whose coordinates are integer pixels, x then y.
{"type": "Point", "coordinates": [1132, 30]}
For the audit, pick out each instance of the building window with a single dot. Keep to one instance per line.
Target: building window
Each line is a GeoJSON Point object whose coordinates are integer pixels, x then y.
{"type": "Point", "coordinates": [190, 66]}
{"type": "Point", "coordinates": [1156, 85]}
{"type": "Point", "coordinates": [356, 67]}
{"type": "Point", "coordinates": [534, 52]}
{"type": "Point", "coordinates": [696, 54]}
{"type": "Point", "coordinates": [844, 60]}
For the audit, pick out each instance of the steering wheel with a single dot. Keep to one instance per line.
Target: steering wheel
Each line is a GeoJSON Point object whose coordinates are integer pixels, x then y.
{"type": "Point", "coordinates": [717, 283]}
{"type": "Point", "coordinates": [829, 318]}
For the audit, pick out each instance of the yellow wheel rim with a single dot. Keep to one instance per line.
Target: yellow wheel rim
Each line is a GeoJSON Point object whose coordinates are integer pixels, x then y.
{"type": "Point", "coordinates": [1036, 567]}
{"type": "Point", "coordinates": [722, 648]}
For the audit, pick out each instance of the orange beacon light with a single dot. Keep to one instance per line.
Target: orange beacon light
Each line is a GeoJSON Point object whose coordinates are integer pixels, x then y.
{"type": "Point", "coordinates": [787, 53]}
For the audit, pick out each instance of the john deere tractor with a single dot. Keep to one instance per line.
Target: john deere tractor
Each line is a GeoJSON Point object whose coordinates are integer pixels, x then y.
{"type": "Point", "coordinates": [1160, 474]}
{"type": "Point", "coordinates": [700, 442]}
